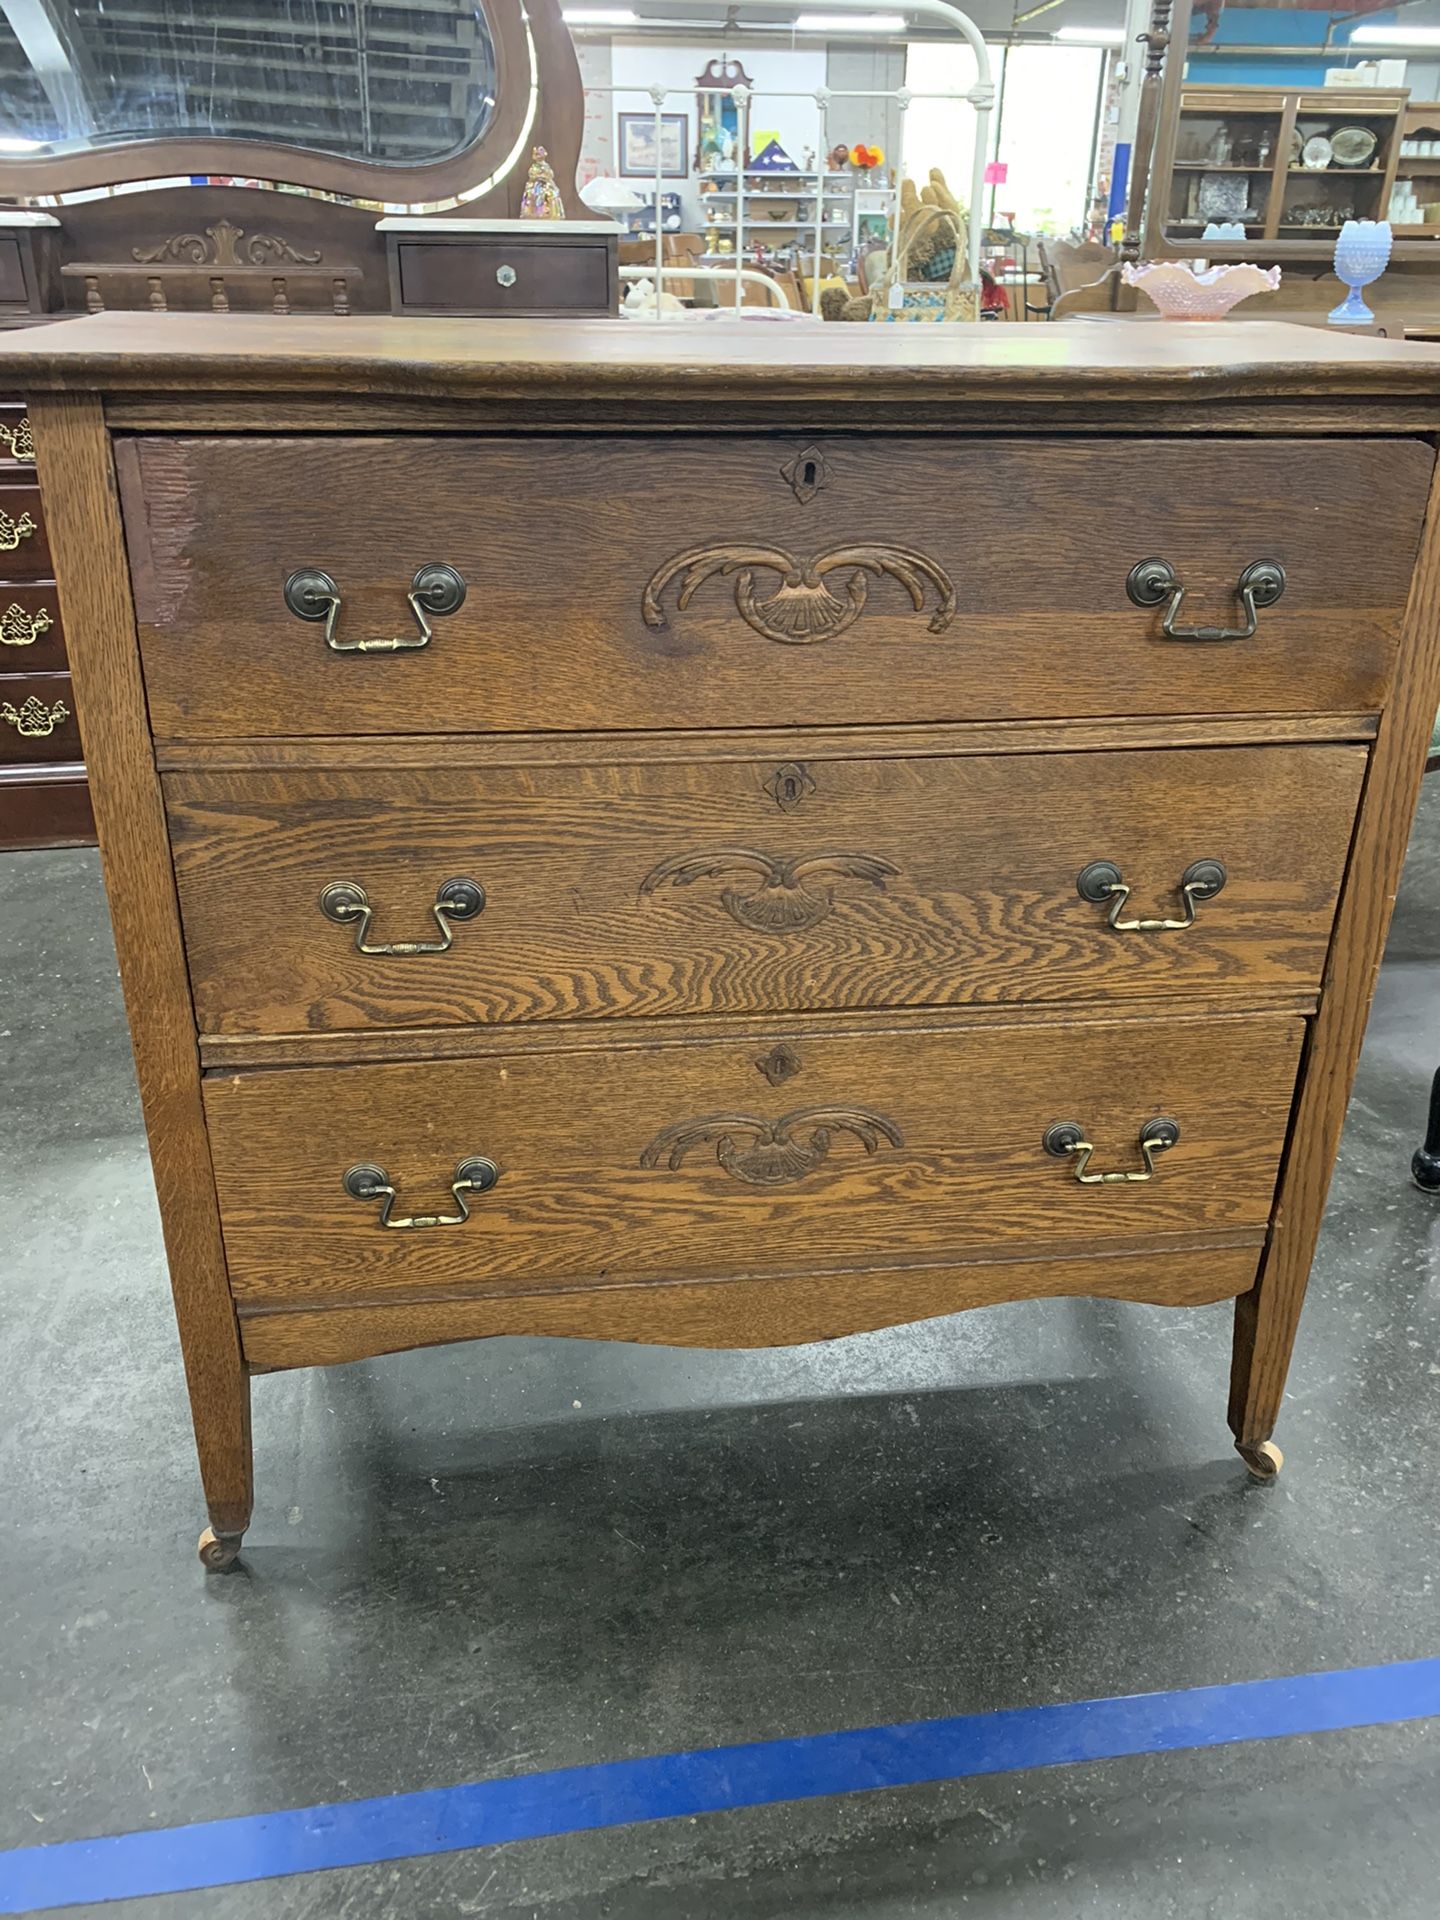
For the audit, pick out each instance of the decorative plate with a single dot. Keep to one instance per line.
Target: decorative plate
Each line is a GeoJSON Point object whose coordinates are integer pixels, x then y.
{"type": "Point", "coordinates": [1318, 153]}
{"type": "Point", "coordinates": [1353, 146]}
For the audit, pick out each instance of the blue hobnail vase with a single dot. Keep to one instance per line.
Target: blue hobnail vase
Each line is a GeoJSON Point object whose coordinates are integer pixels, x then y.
{"type": "Point", "coordinates": [1362, 253]}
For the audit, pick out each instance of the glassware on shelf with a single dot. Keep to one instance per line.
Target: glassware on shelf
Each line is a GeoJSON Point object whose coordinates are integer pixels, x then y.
{"type": "Point", "coordinates": [1182, 293]}
{"type": "Point", "coordinates": [1362, 253]}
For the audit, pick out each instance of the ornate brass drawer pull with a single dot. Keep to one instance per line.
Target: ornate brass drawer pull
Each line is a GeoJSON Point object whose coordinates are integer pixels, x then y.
{"type": "Point", "coordinates": [347, 902]}
{"type": "Point", "coordinates": [435, 590]}
{"type": "Point", "coordinates": [1154, 581]}
{"type": "Point", "coordinates": [21, 629]}
{"type": "Point", "coordinates": [1066, 1137]}
{"type": "Point", "coordinates": [35, 721]}
{"type": "Point", "coordinates": [13, 531]}
{"type": "Point", "coordinates": [766, 1153]}
{"type": "Point", "coordinates": [369, 1182]}
{"type": "Point", "coordinates": [18, 440]}
{"type": "Point", "coordinates": [1101, 881]}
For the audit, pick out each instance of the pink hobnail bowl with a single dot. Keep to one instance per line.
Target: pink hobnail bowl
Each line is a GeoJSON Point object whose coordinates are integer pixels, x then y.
{"type": "Point", "coordinates": [1183, 294]}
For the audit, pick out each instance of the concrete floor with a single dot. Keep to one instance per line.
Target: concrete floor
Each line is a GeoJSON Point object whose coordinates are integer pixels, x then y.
{"type": "Point", "coordinates": [495, 1559]}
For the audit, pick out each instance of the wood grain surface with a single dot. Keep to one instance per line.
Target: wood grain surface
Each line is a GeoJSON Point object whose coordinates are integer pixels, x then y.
{"type": "Point", "coordinates": [777, 1311]}
{"type": "Point", "coordinates": [79, 483]}
{"type": "Point", "coordinates": [685, 887]}
{"type": "Point", "coordinates": [623, 748]}
{"type": "Point", "coordinates": [216, 525]}
{"type": "Point", "coordinates": [599, 1186]}
{"type": "Point", "coordinates": [586, 361]}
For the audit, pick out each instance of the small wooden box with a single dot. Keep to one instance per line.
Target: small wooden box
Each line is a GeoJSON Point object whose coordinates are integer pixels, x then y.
{"type": "Point", "coordinates": [520, 268]}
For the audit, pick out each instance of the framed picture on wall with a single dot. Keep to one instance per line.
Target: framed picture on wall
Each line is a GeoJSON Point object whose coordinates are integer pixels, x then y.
{"type": "Point", "coordinates": [636, 146]}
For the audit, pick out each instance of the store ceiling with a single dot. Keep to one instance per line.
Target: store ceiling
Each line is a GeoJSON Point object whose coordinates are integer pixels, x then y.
{"type": "Point", "coordinates": [994, 17]}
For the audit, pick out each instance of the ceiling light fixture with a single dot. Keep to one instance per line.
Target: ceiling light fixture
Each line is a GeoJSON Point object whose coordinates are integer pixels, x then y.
{"type": "Point", "coordinates": [850, 23]}
{"type": "Point", "coordinates": [1091, 36]}
{"type": "Point", "coordinates": [600, 17]}
{"type": "Point", "coordinates": [1394, 37]}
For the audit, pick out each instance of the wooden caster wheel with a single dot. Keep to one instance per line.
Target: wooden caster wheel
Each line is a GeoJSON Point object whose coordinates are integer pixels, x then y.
{"type": "Point", "coordinates": [1263, 1461]}
{"type": "Point", "coordinates": [219, 1552]}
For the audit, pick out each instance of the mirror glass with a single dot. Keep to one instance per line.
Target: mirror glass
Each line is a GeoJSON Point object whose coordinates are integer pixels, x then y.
{"type": "Point", "coordinates": [399, 84]}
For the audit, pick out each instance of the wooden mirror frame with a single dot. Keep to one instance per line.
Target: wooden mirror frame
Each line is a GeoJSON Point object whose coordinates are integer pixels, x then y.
{"type": "Point", "coordinates": [539, 102]}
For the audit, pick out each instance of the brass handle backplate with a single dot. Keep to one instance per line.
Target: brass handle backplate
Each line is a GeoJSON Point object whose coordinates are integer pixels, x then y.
{"type": "Point", "coordinates": [347, 902]}
{"type": "Point", "coordinates": [1101, 881]}
{"type": "Point", "coordinates": [369, 1182]}
{"type": "Point", "coordinates": [1153, 583]}
{"type": "Point", "coordinates": [18, 440]}
{"type": "Point", "coordinates": [1066, 1138]}
{"type": "Point", "coordinates": [435, 591]}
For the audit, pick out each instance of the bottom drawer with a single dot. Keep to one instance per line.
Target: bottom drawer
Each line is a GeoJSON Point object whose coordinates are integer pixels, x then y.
{"type": "Point", "coordinates": [832, 1153]}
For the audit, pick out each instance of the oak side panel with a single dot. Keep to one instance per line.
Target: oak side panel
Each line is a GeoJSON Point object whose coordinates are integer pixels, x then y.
{"type": "Point", "coordinates": [78, 480]}
{"type": "Point", "coordinates": [1266, 1318]}
{"type": "Point", "coordinates": [775, 1312]}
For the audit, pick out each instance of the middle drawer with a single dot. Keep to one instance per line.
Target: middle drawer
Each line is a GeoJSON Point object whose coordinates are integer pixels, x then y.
{"type": "Point", "coordinates": [329, 900]}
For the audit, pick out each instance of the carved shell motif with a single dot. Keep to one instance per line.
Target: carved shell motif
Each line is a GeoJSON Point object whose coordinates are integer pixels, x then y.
{"type": "Point", "coordinates": [802, 610]}
{"type": "Point", "coordinates": [766, 1153]}
{"type": "Point", "coordinates": [782, 903]}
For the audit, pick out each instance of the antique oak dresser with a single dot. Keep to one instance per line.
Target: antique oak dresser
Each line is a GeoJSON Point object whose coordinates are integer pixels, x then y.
{"type": "Point", "coordinates": [733, 837]}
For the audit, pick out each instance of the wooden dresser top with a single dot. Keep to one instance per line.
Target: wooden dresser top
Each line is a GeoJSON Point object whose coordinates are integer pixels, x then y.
{"type": "Point", "coordinates": [379, 355]}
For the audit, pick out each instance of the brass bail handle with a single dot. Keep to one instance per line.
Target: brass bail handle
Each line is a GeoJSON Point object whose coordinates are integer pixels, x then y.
{"type": "Point", "coordinates": [472, 1176]}
{"type": "Point", "coordinates": [435, 591]}
{"type": "Point", "coordinates": [346, 902]}
{"type": "Point", "coordinates": [1154, 582]}
{"type": "Point", "coordinates": [1102, 881]}
{"type": "Point", "coordinates": [1066, 1138]}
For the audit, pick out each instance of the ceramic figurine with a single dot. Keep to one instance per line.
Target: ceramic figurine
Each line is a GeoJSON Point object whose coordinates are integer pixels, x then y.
{"type": "Point", "coordinates": [541, 198]}
{"type": "Point", "coordinates": [1362, 253]}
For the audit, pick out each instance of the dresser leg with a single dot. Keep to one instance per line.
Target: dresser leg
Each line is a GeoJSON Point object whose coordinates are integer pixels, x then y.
{"type": "Point", "coordinates": [1264, 1337]}
{"type": "Point", "coordinates": [220, 1407]}
{"type": "Point", "coordinates": [1425, 1165]}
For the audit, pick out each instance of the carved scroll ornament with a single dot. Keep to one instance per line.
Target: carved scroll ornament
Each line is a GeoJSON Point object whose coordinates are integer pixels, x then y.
{"type": "Point", "coordinates": [802, 610]}
{"type": "Point", "coordinates": [782, 903]}
{"type": "Point", "coordinates": [219, 246]}
{"type": "Point", "coordinates": [765, 1153]}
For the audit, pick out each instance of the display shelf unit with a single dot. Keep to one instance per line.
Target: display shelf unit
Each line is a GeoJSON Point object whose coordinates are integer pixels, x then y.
{"type": "Point", "coordinates": [1233, 154]}
{"type": "Point", "coordinates": [1417, 170]}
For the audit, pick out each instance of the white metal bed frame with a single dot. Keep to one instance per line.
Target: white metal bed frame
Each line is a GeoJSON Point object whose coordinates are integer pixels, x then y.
{"type": "Point", "coordinates": [981, 96]}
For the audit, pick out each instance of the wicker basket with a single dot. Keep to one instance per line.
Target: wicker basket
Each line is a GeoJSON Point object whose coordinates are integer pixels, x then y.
{"type": "Point", "coordinates": [895, 297]}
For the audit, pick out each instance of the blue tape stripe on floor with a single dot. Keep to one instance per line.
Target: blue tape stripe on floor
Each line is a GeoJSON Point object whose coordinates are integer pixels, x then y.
{"type": "Point", "coordinates": [487, 1813]}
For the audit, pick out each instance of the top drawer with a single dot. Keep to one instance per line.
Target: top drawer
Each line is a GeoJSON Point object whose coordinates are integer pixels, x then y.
{"type": "Point", "coordinates": [752, 582]}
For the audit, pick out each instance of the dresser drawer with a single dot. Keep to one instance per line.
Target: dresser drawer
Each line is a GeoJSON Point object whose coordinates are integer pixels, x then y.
{"type": "Point", "coordinates": [921, 1143]}
{"type": "Point", "coordinates": [744, 886]}
{"type": "Point", "coordinates": [37, 719]}
{"type": "Point", "coordinates": [647, 582]}
{"type": "Point", "coordinates": [24, 548]}
{"type": "Point", "coordinates": [32, 637]}
{"type": "Point", "coordinates": [497, 273]}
